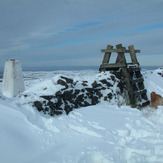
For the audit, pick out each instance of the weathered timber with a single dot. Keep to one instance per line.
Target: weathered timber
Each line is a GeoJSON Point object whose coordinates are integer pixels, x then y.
{"type": "Point", "coordinates": [118, 50]}
{"type": "Point", "coordinates": [121, 57]}
{"type": "Point", "coordinates": [144, 104]}
{"type": "Point", "coordinates": [107, 54]}
{"type": "Point", "coordinates": [112, 65]}
{"type": "Point", "coordinates": [133, 55]}
{"type": "Point", "coordinates": [129, 73]}
{"type": "Point", "coordinates": [141, 91]}
{"type": "Point", "coordinates": [139, 80]}
{"type": "Point", "coordinates": [131, 69]}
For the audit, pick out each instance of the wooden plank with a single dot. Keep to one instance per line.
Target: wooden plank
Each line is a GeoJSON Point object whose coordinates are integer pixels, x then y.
{"type": "Point", "coordinates": [118, 51]}
{"type": "Point", "coordinates": [138, 80]}
{"type": "Point", "coordinates": [112, 65]}
{"type": "Point", "coordinates": [131, 69]}
{"type": "Point", "coordinates": [115, 50]}
{"type": "Point", "coordinates": [129, 87]}
{"type": "Point", "coordinates": [107, 54]}
{"type": "Point", "coordinates": [141, 91]}
{"type": "Point", "coordinates": [121, 57]}
{"type": "Point", "coordinates": [133, 55]}
{"type": "Point", "coordinates": [144, 104]}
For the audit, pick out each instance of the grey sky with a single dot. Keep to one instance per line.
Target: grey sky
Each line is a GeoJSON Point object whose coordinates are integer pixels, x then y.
{"type": "Point", "coordinates": [72, 32]}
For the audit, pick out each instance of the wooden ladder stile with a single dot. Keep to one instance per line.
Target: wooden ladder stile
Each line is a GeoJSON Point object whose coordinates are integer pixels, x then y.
{"type": "Point", "coordinates": [130, 74]}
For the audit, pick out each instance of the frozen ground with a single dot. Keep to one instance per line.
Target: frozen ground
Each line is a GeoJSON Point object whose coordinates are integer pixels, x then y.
{"type": "Point", "coordinates": [97, 134]}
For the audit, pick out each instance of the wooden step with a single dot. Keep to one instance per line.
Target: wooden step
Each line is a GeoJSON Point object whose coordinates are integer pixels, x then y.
{"type": "Point", "coordinates": [143, 104]}
{"type": "Point", "coordinates": [106, 65]}
{"type": "Point", "coordinates": [137, 80]}
{"type": "Point", "coordinates": [134, 69]}
{"type": "Point", "coordinates": [143, 91]}
{"type": "Point", "coordinates": [109, 67]}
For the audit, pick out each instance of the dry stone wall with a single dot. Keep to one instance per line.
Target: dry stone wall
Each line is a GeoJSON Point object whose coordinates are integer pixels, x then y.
{"type": "Point", "coordinates": [76, 94]}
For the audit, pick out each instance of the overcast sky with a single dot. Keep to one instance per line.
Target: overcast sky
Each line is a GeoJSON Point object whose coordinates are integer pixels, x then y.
{"type": "Point", "coordinates": [43, 33]}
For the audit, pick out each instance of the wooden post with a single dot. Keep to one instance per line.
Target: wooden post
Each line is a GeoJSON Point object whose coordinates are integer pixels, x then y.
{"type": "Point", "coordinates": [126, 77]}
{"type": "Point", "coordinates": [133, 55]}
{"type": "Point", "coordinates": [121, 57]}
{"type": "Point", "coordinates": [107, 54]}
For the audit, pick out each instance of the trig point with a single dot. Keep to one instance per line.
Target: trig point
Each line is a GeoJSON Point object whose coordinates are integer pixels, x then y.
{"type": "Point", "coordinates": [13, 83]}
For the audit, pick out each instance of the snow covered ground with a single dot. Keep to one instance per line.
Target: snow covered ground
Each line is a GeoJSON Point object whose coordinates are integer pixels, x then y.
{"type": "Point", "coordinates": [103, 133]}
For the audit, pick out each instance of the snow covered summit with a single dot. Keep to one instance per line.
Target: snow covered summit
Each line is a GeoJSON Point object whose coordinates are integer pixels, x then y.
{"type": "Point", "coordinates": [103, 133]}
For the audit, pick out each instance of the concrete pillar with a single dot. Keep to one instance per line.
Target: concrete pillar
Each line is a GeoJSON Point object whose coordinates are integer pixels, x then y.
{"type": "Point", "coordinates": [13, 83]}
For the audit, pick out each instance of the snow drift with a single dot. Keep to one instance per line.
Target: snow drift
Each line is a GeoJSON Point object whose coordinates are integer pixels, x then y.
{"type": "Point", "coordinates": [103, 133]}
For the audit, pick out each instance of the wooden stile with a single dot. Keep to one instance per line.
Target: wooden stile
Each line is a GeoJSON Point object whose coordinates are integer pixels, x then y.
{"type": "Point", "coordinates": [129, 73]}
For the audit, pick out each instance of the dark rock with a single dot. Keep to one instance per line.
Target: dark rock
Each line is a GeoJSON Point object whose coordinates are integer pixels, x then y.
{"type": "Point", "coordinates": [95, 100]}
{"type": "Point", "coordinates": [68, 80]}
{"type": "Point", "coordinates": [85, 97]}
{"type": "Point", "coordinates": [82, 90]}
{"type": "Point", "coordinates": [86, 103]}
{"type": "Point", "coordinates": [59, 93]}
{"type": "Point", "coordinates": [99, 94]}
{"type": "Point", "coordinates": [50, 104]}
{"type": "Point", "coordinates": [80, 97]}
{"type": "Point", "coordinates": [59, 103]}
{"type": "Point", "coordinates": [113, 78]}
{"type": "Point", "coordinates": [110, 95]}
{"type": "Point", "coordinates": [62, 82]}
{"type": "Point", "coordinates": [25, 95]}
{"type": "Point", "coordinates": [95, 84]}
{"type": "Point", "coordinates": [120, 85]}
{"type": "Point", "coordinates": [72, 100]}
{"type": "Point", "coordinates": [105, 98]}
{"type": "Point", "coordinates": [46, 109]}
{"type": "Point", "coordinates": [90, 95]}
{"type": "Point", "coordinates": [57, 111]}
{"type": "Point", "coordinates": [89, 90]}
{"type": "Point", "coordinates": [68, 92]}
{"type": "Point", "coordinates": [161, 74]}
{"type": "Point", "coordinates": [103, 88]}
{"type": "Point", "coordinates": [68, 95]}
{"type": "Point", "coordinates": [77, 91]}
{"type": "Point", "coordinates": [84, 83]}
{"type": "Point", "coordinates": [38, 105]}
{"type": "Point", "coordinates": [104, 81]}
{"type": "Point", "coordinates": [109, 84]}
{"type": "Point", "coordinates": [78, 101]}
{"type": "Point", "coordinates": [47, 97]}
{"type": "Point", "coordinates": [68, 109]}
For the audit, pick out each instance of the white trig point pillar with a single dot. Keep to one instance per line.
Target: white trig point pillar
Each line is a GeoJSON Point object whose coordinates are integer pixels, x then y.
{"type": "Point", "coordinates": [13, 83]}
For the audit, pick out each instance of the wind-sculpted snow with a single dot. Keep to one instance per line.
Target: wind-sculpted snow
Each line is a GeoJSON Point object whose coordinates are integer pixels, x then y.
{"type": "Point", "coordinates": [102, 133]}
